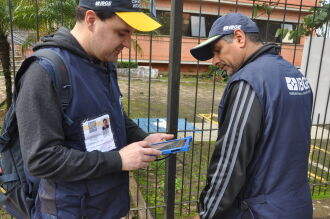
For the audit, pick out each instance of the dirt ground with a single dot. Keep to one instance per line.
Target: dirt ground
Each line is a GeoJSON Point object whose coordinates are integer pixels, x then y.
{"type": "Point", "coordinates": [321, 209]}
{"type": "Point", "coordinates": [139, 96]}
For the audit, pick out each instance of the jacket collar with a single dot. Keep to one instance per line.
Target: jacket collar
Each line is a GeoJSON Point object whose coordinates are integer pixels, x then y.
{"type": "Point", "coordinates": [270, 48]}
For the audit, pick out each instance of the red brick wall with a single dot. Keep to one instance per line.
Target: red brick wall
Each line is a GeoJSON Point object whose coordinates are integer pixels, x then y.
{"type": "Point", "coordinates": [160, 52]}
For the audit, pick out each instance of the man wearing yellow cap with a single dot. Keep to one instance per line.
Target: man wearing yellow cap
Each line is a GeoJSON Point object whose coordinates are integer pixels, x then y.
{"type": "Point", "coordinates": [82, 172]}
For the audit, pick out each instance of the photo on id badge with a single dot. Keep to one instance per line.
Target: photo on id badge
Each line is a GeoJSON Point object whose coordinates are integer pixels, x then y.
{"type": "Point", "coordinates": [98, 134]}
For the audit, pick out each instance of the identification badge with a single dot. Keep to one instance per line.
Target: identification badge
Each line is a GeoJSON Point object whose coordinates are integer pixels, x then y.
{"type": "Point", "coordinates": [98, 134]}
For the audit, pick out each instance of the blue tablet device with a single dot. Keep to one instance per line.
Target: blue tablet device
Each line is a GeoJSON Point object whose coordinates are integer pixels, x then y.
{"type": "Point", "coordinates": [173, 146]}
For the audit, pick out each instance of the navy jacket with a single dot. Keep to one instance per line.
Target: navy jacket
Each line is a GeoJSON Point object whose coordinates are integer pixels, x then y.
{"type": "Point", "coordinates": [76, 180]}
{"type": "Point", "coordinates": [259, 166]}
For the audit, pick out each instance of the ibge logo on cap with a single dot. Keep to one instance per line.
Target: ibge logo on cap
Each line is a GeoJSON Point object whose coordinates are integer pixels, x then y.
{"type": "Point", "coordinates": [103, 3]}
{"type": "Point", "coordinates": [231, 27]}
{"type": "Point", "coordinates": [136, 3]}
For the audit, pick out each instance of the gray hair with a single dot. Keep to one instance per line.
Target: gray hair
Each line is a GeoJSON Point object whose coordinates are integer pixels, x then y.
{"type": "Point", "coordinates": [253, 37]}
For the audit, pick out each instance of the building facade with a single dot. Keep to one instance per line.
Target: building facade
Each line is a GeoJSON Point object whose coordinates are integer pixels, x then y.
{"type": "Point", "coordinates": [198, 16]}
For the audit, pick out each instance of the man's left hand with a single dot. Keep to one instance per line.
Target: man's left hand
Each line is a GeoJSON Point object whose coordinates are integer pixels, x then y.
{"type": "Point", "coordinates": [158, 137]}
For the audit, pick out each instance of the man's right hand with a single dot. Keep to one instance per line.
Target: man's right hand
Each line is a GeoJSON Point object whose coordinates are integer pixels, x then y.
{"type": "Point", "coordinates": [137, 155]}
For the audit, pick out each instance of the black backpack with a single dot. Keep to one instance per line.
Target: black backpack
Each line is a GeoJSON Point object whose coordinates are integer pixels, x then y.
{"type": "Point", "coordinates": [17, 193]}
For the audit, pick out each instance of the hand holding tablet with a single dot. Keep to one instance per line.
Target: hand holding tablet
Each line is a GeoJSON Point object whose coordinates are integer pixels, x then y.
{"type": "Point", "coordinates": [173, 146]}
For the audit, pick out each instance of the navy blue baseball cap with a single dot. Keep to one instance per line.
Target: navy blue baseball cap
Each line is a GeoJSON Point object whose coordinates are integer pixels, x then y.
{"type": "Point", "coordinates": [128, 10]}
{"type": "Point", "coordinates": [224, 25]}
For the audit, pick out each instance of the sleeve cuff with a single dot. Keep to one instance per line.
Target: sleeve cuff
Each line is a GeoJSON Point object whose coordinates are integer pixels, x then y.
{"type": "Point", "coordinates": [116, 164]}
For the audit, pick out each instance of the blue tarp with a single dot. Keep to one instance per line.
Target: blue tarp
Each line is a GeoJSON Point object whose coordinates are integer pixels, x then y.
{"type": "Point", "coordinates": [143, 123]}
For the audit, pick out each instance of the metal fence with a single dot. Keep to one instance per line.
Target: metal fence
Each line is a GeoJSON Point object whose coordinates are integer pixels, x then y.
{"type": "Point", "coordinates": [183, 98]}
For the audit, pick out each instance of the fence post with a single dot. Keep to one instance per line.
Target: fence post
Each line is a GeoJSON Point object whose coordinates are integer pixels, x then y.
{"type": "Point", "coordinates": [10, 7]}
{"type": "Point", "coordinates": [173, 99]}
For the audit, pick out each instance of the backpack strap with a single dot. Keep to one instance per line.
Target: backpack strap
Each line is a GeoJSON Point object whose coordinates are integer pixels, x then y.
{"type": "Point", "coordinates": [61, 75]}
{"type": "Point", "coordinates": [56, 70]}
{"type": "Point", "coordinates": [9, 177]}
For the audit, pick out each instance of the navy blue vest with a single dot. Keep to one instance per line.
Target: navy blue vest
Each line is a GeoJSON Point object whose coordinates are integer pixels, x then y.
{"type": "Point", "coordinates": [95, 93]}
{"type": "Point", "coordinates": [277, 184]}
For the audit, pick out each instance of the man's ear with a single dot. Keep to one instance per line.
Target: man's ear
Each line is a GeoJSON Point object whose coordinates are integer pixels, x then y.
{"type": "Point", "coordinates": [90, 19]}
{"type": "Point", "coordinates": [240, 37]}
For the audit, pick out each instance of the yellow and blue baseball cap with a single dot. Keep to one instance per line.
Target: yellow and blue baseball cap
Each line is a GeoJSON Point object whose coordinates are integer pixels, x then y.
{"type": "Point", "coordinates": [128, 10]}
{"type": "Point", "coordinates": [224, 25]}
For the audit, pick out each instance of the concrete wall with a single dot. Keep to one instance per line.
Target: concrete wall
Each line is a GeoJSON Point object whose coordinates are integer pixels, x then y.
{"type": "Point", "coordinates": [315, 66]}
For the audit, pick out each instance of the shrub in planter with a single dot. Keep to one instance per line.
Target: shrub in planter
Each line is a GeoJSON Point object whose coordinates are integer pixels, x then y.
{"type": "Point", "coordinates": [124, 64]}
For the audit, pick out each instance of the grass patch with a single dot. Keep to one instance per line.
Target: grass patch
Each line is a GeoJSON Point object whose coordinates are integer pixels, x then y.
{"type": "Point", "coordinates": [320, 192]}
{"type": "Point", "coordinates": [4, 215]}
{"type": "Point", "coordinates": [319, 164]}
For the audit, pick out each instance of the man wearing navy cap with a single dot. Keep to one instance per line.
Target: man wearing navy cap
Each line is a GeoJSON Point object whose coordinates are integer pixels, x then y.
{"type": "Point", "coordinates": [83, 172]}
{"type": "Point", "coordinates": [260, 161]}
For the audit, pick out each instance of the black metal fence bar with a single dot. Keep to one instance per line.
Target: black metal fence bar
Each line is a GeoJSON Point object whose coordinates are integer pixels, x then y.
{"type": "Point", "coordinates": [296, 38]}
{"type": "Point", "coordinates": [173, 99]}
{"type": "Point", "coordinates": [313, 149]}
{"type": "Point", "coordinates": [183, 168]}
{"type": "Point", "coordinates": [200, 159]}
{"type": "Point", "coordinates": [195, 109]}
{"type": "Point", "coordinates": [211, 122]}
{"type": "Point", "coordinates": [326, 147]}
{"type": "Point", "coordinates": [283, 21]}
{"type": "Point", "coordinates": [37, 20]}
{"type": "Point", "coordinates": [12, 35]}
{"type": "Point", "coordinates": [310, 43]}
{"type": "Point", "coordinates": [129, 82]}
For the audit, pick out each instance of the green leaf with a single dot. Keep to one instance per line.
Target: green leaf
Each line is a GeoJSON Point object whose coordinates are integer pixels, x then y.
{"type": "Point", "coordinates": [255, 11]}
{"type": "Point", "coordinates": [279, 32]}
{"type": "Point", "coordinates": [292, 34]}
{"type": "Point", "coordinates": [285, 32]}
{"type": "Point", "coordinates": [268, 10]}
{"type": "Point", "coordinates": [317, 18]}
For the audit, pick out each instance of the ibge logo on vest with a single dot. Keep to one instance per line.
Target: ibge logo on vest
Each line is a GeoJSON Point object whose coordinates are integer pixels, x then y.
{"type": "Point", "coordinates": [297, 86]}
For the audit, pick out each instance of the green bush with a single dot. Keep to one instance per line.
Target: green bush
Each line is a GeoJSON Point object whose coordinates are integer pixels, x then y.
{"type": "Point", "coordinates": [220, 74]}
{"type": "Point", "coordinates": [127, 64]}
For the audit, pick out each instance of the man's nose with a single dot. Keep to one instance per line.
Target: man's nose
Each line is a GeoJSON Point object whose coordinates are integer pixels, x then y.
{"type": "Point", "coordinates": [215, 60]}
{"type": "Point", "coordinates": [127, 42]}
